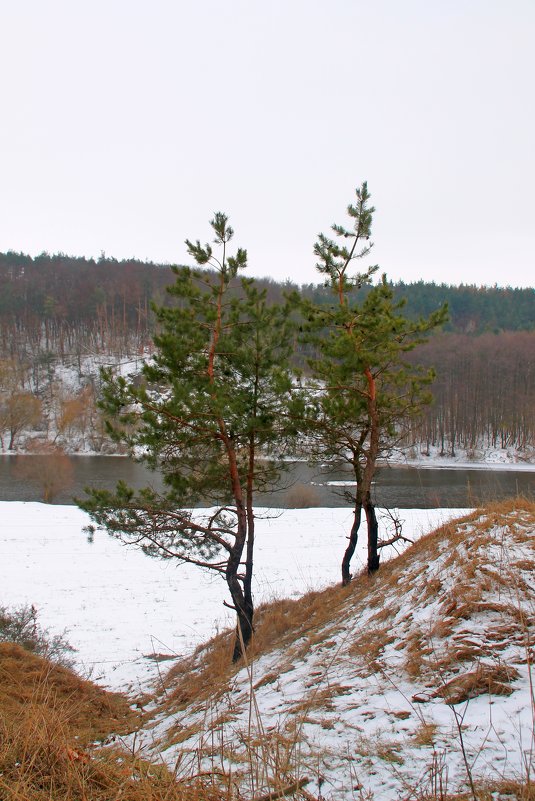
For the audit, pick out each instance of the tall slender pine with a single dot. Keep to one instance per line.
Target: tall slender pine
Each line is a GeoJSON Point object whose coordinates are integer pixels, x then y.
{"type": "Point", "coordinates": [366, 391]}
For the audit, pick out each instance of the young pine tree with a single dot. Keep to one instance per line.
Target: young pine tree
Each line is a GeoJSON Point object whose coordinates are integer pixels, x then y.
{"type": "Point", "coordinates": [365, 390]}
{"type": "Point", "coordinates": [210, 407]}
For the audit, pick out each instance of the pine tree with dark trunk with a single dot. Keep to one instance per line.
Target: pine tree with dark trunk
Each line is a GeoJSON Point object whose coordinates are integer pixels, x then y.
{"type": "Point", "coordinates": [209, 413]}
{"type": "Point", "coordinates": [365, 391]}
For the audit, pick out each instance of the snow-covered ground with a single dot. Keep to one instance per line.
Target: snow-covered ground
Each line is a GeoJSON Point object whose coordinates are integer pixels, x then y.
{"type": "Point", "coordinates": [398, 688]}
{"type": "Point", "coordinates": [372, 691]}
{"type": "Point", "coordinates": [119, 606]}
{"type": "Point", "coordinates": [481, 458]}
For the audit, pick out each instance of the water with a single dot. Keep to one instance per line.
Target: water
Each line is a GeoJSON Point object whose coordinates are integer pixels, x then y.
{"type": "Point", "coordinates": [303, 485]}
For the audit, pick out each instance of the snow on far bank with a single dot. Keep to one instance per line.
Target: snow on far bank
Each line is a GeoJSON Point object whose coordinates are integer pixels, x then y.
{"type": "Point", "coordinates": [481, 458]}
{"type": "Point", "coordinates": [119, 606]}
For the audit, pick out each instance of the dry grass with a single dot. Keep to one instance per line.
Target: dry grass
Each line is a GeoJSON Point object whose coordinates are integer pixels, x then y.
{"type": "Point", "coordinates": [370, 644]}
{"type": "Point", "coordinates": [417, 653]}
{"type": "Point", "coordinates": [281, 623]}
{"type": "Point", "coordinates": [302, 496]}
{"type": "Point", "coordinates": [380, 747]}
{"type": "Point", "coordinates": [89, 711]}
{"type": "Point", "coordinates": [492, 679]}
{"type": "Point", "coordinates": [506, 790]}
{"type": "Point", "coordinates": [49, 722]}
{"type": "Point", "coordinates": [425, 734]}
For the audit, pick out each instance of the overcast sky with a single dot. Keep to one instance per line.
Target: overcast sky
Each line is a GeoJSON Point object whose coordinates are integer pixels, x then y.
{"type": "Point", "coordinates": [126, 124]}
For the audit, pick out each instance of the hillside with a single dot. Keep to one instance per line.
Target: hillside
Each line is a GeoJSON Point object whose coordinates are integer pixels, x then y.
{"type": "Point", "coordinates": [373, 691]}
{"type": "Point", "coordinates": [63, 317]}
{"type": "Point", "coordinates": [71, 301]}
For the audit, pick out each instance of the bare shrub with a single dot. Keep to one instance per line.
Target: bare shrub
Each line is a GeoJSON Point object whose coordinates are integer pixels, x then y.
{"type": "Point", "coordinates": [302, 496]}
{"type": "Point", "coordinates": [18, 411]}
{"type": "Point", "coordinates": [48, 466]}
{"type": "Point", "coordinates": [19, 625]}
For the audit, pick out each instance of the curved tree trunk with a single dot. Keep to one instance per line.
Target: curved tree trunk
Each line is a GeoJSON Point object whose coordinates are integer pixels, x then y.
{"type": "Point", "coordinates": [373, 535]}
{"type": "Point", "coordinates": [369, 472]}
{"type": "Point", "coordinates": [244, 629]}
{"type": "Point", "coordinates": [353, 537]}
{"type": "Point", "coordinates": [241, 600]}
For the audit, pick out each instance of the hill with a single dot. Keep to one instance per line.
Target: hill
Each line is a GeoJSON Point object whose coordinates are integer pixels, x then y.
{"type": "Point", "coordinates": [411, 684]}
{"type": "Point", "coordinates": [61, 317]}
{"type": "Point", "coordinates": [68, 305]}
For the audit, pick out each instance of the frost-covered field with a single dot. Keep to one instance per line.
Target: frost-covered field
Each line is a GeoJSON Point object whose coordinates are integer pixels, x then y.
{"type": "Point", "coordinates": [119, 607]}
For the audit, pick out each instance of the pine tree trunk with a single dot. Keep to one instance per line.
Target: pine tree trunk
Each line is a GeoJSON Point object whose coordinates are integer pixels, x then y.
{"type": "Point", "coordinates": [242, 601]}
{"type": "Point", "coordinates": [373, 535]}
{"type": "Point", "coordinates": [246, 611]}
{"type": "Point", "coordinates": [369, 472]}
{"type": "Point", "coordinates": [353, 537]}
{"type": "Point", "coordinates": [244, 629]}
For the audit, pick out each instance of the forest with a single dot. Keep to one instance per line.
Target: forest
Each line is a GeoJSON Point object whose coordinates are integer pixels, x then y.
{"type": "Point", "coordinates": [58, 308]}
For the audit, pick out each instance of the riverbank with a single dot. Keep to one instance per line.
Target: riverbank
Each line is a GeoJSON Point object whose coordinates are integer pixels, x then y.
{"type": "Point", "coordinates": [482, 458]}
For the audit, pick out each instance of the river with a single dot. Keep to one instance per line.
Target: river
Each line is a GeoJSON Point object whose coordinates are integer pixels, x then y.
{"type": "Point", "coordinates": [303, 485]}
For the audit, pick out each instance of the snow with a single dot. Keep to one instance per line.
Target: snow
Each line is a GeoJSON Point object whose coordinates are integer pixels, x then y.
{"type": "Point", "coordinates": [118, 606]}
{"type": "Point", "coordinates": [363, 709]}
{"type": "Point", "coordinates": [367, 719]}
{"type": "Point", "coordinates": [484, 457]}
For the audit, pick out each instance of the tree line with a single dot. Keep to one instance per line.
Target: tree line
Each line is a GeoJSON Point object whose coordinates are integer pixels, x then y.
{"type": "Point", "coordinates": [66, 305]}
{"type": "Point", "coordinates": [484, 393]}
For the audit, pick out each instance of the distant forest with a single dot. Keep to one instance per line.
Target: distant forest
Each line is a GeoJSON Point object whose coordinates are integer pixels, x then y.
{"type": "Point", "coordinates": [54, 302]}
{"type": "Point", "coordinates": [64, 307]}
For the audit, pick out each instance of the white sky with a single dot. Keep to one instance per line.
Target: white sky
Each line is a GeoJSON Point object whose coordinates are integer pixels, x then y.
{"type": "Point", "coordinates": [126, 124]}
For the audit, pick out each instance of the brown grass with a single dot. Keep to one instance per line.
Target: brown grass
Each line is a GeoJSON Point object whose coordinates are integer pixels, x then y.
{"type": "Point", "coordinates": [49, 721]}
{"type": "Point", "coordinates": [418, 652]}
{"type": "Point", "coordinates": [278, 624]}
{"type": "Point", "coordinates": [89, 711]}
{"type": "Point", "coordinates": [370, 644]}
{"type": "Point", "coordinates": [504, 790]}
{"type": "Point", "coordinates": [492, 679]}
{"type": "Point", "coordinates": [425, 734]}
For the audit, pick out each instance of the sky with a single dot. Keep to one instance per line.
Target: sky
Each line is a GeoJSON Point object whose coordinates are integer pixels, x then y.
{"type": "Point", "coordinates": [127, 124]}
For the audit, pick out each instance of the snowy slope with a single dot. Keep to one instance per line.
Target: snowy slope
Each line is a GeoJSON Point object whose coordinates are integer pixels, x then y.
{"type": "Point", "coordinates": [367, 691]}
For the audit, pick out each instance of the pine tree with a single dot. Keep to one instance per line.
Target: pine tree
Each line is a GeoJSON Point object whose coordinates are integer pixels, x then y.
{"type": "Point", "coordinates": [210, 407]}
{"type": "Point", "coordinates": [365, 390]}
